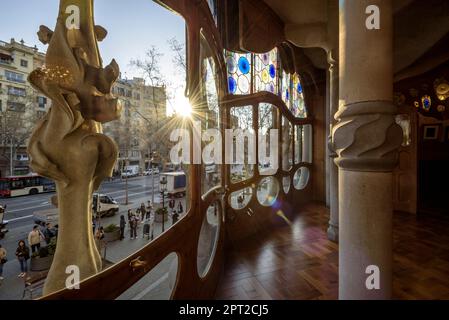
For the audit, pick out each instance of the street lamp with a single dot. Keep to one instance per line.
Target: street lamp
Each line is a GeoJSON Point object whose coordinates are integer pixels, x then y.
{"type": "Point", "coordinates": [163, 189]}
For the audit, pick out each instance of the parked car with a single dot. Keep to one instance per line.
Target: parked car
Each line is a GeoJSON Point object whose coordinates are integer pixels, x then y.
{"type": "Point", "coordinates": [149, 172]}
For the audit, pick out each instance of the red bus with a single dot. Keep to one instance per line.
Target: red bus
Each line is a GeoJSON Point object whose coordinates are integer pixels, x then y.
{"type": "Point", "coordinates": [25, 185]}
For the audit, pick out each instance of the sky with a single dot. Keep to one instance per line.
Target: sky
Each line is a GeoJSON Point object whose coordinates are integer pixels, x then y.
{"type": "Point", "coordinates": [133, 27]}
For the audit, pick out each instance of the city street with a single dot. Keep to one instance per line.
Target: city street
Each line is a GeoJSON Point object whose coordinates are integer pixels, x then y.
{"type": "Point", "coordinates": [20, 215]}
{"type": "Point", "coordinates": [20, 210]}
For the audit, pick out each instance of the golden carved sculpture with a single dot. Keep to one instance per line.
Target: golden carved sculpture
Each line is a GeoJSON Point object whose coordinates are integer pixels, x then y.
{"type": "Point", "coordinates": [68, 145]}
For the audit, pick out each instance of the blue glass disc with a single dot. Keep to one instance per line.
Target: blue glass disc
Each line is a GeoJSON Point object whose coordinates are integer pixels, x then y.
{"type": "Point", "coordinates": [244, 65]}
{"type": "Point", "coordinates": [272, 71]}
{"type": "Point", "coordinates": [232, 85]}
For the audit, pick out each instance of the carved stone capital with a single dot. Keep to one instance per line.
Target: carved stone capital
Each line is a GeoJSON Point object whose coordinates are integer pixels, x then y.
{"type": "Point", "coordinates": [366, 137]}
{"type": "Point", "coordinates": [330, 146]}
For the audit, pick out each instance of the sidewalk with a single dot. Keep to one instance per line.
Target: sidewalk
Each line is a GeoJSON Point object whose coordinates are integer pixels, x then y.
{"type": "Point", "coordinates": [155, 285]}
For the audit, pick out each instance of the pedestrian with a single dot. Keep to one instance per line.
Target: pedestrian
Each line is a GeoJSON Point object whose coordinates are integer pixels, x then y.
{"type": "Point", "coordinates": [130, 214]}
{"type": "Point", "coordinates": [48, 233]}
{"type": "Point", "coordinates": [152, 227]}
{"type": "Point", "coordinates": [143, 212]}
{"type": "Point", "coordinates": [34, 239]}
{"type": "Point", "coordinates": [149, 210]}
{"type": "Point", "coordinates": [2, 261]}
{"type": "Point", "coordinates": [171, 204]}
{"type": "Point", "coordinates": [93, 225]}
{"type": "Point", "coordinates": [23, 255]}
{"type": "Point", "coordinates": [122, 227]}
{"type": "Point", "coordinates": [146, 229]}
{"type": "Point", "coordinates": [99, 235]}
{"type": "Point", "coordinates": [133, 226]}
{"type": "Point", "coordinates": [174, 217]}
{"type": "Point", "coordinates": [180, 208]}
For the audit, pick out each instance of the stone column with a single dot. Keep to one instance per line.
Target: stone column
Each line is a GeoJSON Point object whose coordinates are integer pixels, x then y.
{"type": "Point", "coordinates": [332, 231]}
{"type": "Point", "coordinates": [366, 140]}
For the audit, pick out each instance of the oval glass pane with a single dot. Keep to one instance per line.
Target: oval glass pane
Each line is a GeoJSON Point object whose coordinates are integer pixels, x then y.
{"type": "Point", "coordinates": [268, 140]}
{"type": "Point", "coordinates": [243, 144]}
{"type": "Point", "coordinates": [301, 178]}
{"type": "Point", "coordinates": [158, 284]}
{"type": "Point", "coordinates": [240, 199]}
{"type": "Point", "coordinates": [287, 144]}
{"type": "Point", "coordinates": [286, 183]}
{"type": "Point", "coordinates": [210, 117]}
{"type": "Point", "coordinates": [207, 243]}
{"type": "Point", "coordinates": [299, 143]}
{"type": "Point", "coordinates": [307, 154]}
{"type": "Point", "coordinates": [268, 191]}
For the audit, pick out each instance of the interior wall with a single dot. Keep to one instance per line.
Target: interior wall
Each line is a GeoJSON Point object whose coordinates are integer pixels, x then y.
{"type": "Point", "coordinates": [427, 96]}
{"type": "Point", "coordinates": [433, 166]}
{"type": "Point", "coordinates": [319, 144]}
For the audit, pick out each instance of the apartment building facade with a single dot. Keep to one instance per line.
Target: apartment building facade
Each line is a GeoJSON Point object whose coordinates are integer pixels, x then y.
{"type": "Point", "coordinates": [143, 117]}
{"type": "Point", "coordinates": [20, 105]}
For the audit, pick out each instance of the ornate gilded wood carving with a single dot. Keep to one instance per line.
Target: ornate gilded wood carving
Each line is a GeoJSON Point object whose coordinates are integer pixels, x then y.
{"type": "Point", "coordinates": [68, 145]}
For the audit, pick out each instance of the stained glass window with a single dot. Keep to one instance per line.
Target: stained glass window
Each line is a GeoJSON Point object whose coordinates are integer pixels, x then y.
{"type": "Point", "coordinates": [298, 106]}
{"type": "Point", "coordinates": [286, 88]}
{"type": "Point", "coordinates": [249, 73]}
{"type": "Point", "coordinates": [266, 71]}
{"type": "Point", "coordinates": [292, 94]}
{"type": "Point", "coordinates": [239, 72]}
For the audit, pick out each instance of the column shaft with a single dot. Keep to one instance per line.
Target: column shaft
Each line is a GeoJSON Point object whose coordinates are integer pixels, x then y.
{"type": "Point", "coordinates": [332, 231]}
{"type": "Point", "coordinates": [366, 140]}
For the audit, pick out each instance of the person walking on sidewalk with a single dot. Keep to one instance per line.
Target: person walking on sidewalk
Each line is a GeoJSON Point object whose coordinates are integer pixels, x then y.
{"type": "Point", "coordinates": [130, 215]}
{"type": "Point", "coordinates": [23, 255]}
{"type": "Point", "coordinates": [99, 235]}
{"type": "Point", "coordinates": [34, 239]}
{"type": "Point", "coordinates": [122, 227]}
{"type": "Point", "coordinates": [174, 217]}
{"type": "Point", "coordinates": [133, 226]}
{"type": "Point", "coordinates": [149, 210]}
{"type": "Point", "coordinates": [48, 233]}
{"type": "Point", "coordinates": [143, 212]}
{"type": "Point", "coordinates": [2, 261]}
{"type": "Point", "coordinates": [180, 208]}
{"type": "Point", "coordinates": [171, 205]}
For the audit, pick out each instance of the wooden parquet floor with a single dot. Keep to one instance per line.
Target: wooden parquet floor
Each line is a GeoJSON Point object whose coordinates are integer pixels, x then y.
{"type": "Point", "coordinates": [297, 262]}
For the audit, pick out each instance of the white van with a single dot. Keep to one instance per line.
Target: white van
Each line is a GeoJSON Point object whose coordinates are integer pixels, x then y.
{"type": "Point", "coordinates": [106, 208]}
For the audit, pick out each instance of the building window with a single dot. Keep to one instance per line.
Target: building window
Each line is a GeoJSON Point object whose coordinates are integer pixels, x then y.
{"type": "Point", "coordinates": [22, 157]}
{"type": "Point", "coordinates": [14, 76]}
{"type": "Point", "coordinates": [42, 101]}
{"type": "Point", "coordinates": [5, 58]}
{"type": "Point", "coordinates": [41, 114]}
{"type": "Point", "coordinates": [16, 106]}
{"type": "Point", "coordinates": [121, 91]}
{"type": "Point", "coordinates": [1, 106]}
{"type": "Point", "coordinates": [24, 63]}
{"type": "Point", "coordinates": [14, 91]}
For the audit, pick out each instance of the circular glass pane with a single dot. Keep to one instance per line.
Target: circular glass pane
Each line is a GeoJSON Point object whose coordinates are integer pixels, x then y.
{"type": "Point", "coordinates": [240, 199]}
{"type": "Point", "coordinates": [286, 183]}
{"type": "Point", "coordinates": [208, 240]}
{"type": "Point", "coordinates": [268, 191]}
{"type": "Point", "coordinates": [301, 178]}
